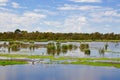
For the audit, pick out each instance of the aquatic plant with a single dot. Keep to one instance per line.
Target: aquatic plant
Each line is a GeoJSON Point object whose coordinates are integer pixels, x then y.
{"type": "Point", "coordinates": [51, 48]}
{"type": "Point", "coordinates": [15, 42]}
{"type": "Point", "coordinates": [84, 46]}
{"type": "Point", "coordinates": [102, 51]}
{"type": "Point", "coordinates": [32, 47]}
{"type": "Point", "coordinates": [106, 46]}
{"type": "Point", "coordinates": [87, 51]}
{"type": "Point", "coordinates": [75, 47]}
{"type": "Point", "coordinates": [14, 47]}
{"type": "Point", "coordinates": [64, 48]}
{"type": "Point", "coordinates": [31, 42]}
{"type": "Point", "coordinates": [70, 46]}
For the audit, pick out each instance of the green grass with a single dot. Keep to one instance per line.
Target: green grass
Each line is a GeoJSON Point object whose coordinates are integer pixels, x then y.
{"type": "Point", "coordinates": [95, 64]}
{"type": "Point", "coordinates": [54, 58]}
{"type": "Point", "coordinates": [79, 61]}
{"type": "Point", "coordinates": [9, 62]}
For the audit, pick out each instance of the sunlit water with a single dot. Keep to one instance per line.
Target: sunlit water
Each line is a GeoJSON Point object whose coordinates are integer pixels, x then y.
{"type": "Point", "coordinates": [58, 72]}
{"type": "Point", "coordinates": [113, 50]}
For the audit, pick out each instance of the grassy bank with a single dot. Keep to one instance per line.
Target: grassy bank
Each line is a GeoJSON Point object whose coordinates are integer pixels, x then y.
{"type": "Point", "coordinates": [53, 58]}
{"type": "Point", "coordinates": [78, 61]}
{"type": "Point", "coordinates": [8, 62]}
{"type": "Point", "coordinates": [117, 65]}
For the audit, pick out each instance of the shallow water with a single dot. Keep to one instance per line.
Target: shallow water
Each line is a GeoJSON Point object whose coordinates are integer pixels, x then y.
{"type": "Point", "coordinates": [58, 72]}
{"type": "Point", "coordinates": [113, 47]}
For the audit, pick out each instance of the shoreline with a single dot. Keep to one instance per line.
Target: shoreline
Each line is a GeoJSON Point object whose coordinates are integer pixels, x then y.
{"type": "Point", "coordinates": [33, 59]}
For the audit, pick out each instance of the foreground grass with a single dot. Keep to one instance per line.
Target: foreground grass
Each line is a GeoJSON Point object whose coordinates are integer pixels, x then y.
{"type": "Point", "coordinates": [8, 62]}
{"type": "Point", "coordinates": [80, 61]}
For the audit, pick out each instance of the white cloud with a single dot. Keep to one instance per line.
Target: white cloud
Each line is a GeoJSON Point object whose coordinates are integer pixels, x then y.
{"type": "Point", "coordinates": [108, 16]}
{"type": "Point", "coordinates": [74, 23]}
{"type": "Point", "coordinates": [15, 5]}
{"type": "Point", "coordinates": [70, 24]}
{"type": "Point", "coordinates": [45, 11]}
{"type": "Point", "coordinates": [34, 15]}
{"type": "Point", "coordinates": [53, 23]}
{"type": "Point", "coordinates": [10, 21]}
{"type": "Point", "coordinates": [88, 1]}
{"type": "Point", "coordinates": [76, 7]}
{"type": "Point", "coordinates": [3, 2]}
{"type": "Point", "coordinates": [2, 9]}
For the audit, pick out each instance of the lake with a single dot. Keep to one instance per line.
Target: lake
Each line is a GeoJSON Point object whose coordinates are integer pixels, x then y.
{"type": "Point", "coordinates": [58, 72]}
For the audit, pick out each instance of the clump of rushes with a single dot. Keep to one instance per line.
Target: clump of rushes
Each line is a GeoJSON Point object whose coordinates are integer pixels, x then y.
{"type": "Point", "coordinates": [64, 48]}
{"type": "Point", "coordinates": [101, 51]}
{"type": "Point", "coordinates": [70, 46]}
{"type": "Point", "coordinates": [14, 45]}
{"type": "Point", "coordinates": [87, 51]}
{"type": "Point", "coordinates": [51, 49]}
{"type": "Point", "coordinates": [75, 47]}
{"type": "Point", "coordinates": [84, 46]}
{"type": "Point", "coordinates": [32, 47]}
{"type": "Point", "coordinates": [58, 46]}
{"type": "Point", "coordinates": [31, 42]}
{"type": "Point", "coordinates": [106, 46]}
{"type": "Point", "coordinates": [14, 42]}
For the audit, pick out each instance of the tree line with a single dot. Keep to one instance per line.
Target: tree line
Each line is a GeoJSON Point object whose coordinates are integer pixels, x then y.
{"type": "Point", "coordinates": [24, 35]}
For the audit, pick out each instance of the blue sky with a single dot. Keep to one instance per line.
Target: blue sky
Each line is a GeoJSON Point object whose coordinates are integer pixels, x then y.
{"type": "Point", "coordinates": [60, 15]}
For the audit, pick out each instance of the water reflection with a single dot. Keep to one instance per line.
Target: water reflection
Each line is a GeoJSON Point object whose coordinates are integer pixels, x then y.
{"type": "Point", "coordinates": [93, 49]}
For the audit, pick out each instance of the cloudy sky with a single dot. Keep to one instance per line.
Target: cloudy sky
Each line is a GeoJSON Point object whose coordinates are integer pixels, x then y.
{"type": "Point", "coordinates": [60, 15]}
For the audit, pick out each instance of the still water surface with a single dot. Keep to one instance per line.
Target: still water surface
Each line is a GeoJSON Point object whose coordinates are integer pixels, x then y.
{"type": "Point", "coordinates": [58, 72]}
